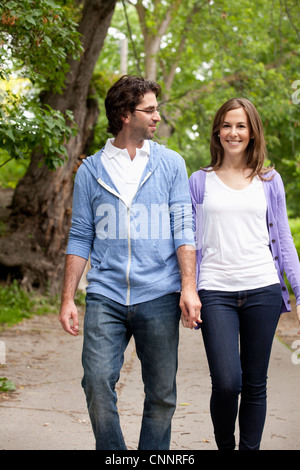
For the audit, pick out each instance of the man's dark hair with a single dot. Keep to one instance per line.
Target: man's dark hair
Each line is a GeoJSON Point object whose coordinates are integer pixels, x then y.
{"type": "Point", "coordinates": [124, 96]}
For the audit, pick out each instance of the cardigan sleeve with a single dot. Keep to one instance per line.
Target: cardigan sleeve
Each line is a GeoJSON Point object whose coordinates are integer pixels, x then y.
{"type": "Point", "coordinates": [290, 259]}
{"type": "Point", "coordinates": [197, 188]}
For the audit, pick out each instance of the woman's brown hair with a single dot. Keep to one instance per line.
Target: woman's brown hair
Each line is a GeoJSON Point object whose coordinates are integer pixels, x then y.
{"type": "Point", "coordinates": [256, 152]}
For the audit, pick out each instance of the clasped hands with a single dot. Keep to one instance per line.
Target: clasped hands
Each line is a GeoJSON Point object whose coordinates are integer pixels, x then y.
{"type": "Point", "coordinates": [190, 306]}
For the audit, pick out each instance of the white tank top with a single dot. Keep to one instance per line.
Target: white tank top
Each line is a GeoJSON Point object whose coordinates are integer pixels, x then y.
{"type": "Point", "coordinates": [236, 254]}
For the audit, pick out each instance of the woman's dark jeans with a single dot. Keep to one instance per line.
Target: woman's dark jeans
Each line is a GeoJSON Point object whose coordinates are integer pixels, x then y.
{"type": "Point", "coordinates": [238, 330]}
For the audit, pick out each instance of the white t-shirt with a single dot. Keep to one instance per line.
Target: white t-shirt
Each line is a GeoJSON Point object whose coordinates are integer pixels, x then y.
{"type": "Point", "coordinates": [236, 253]}
{"type": "Point", "coordinates": [125, 173]}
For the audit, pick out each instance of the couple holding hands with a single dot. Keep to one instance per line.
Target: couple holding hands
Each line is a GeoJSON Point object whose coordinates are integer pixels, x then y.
{"type": "Point", "coordinates": [220, 270]}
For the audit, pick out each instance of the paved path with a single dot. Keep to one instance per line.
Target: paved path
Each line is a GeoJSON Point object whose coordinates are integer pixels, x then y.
{"type": "Point", "coordinates": [48, 410]}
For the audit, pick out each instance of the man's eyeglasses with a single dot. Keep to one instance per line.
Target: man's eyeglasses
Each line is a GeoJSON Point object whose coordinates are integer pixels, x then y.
{"type": "Point", "coordinates": [149, 111]}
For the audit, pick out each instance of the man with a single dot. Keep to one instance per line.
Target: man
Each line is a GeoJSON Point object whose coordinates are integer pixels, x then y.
{"type": "Point", "coordinates": [132, 215]}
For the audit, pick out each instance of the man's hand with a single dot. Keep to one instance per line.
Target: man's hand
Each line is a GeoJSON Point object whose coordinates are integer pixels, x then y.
{"type": "Point", "coordinates": [189, 301]}
{"type": "Point", "coordinates": [190, 307]}
{"type": "Point", "coordinates": [68, 318]}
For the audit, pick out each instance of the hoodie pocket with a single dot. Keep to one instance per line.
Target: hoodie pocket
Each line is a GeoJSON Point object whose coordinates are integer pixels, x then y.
{"type": "Point", "coordinates": [151, 263]}
{"type": "Point", "coordinates": [114, 260]}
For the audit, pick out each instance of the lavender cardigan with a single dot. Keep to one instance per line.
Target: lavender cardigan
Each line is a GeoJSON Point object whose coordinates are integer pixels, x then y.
{"type": "Point", "coordinates": [281, 242]}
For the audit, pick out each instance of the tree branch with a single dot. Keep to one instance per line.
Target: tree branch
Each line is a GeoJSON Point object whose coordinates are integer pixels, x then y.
{"type": "Point", "coordinates": [2, 164]}
{"type": "Point", "coordinates": [290, 18]}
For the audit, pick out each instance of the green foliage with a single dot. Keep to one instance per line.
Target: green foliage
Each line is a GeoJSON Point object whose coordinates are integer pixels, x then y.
{"type": "Point", "coordinates": [290, 170]}
{"type": "Point", "coordinates": [38, 36]}
{"type": "Point", "coordinates": [221, 50]}
{"type": "Point", "coordinates": [11, 171]}
{"type": "Point", "coordinates": [101, 82]}
{"type": "Point", "coordinates": [6, 385]}
{"type": "Point", "coordinates": [295, 229]}
{"type": "Point", "coordinates": [36, 39]}
{"type": "Point", "coordinates": [42, 129]}
{"type": "Point", "coordinates": [17, 304]}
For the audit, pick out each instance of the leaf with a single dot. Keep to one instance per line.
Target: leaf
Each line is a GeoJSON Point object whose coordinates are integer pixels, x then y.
{"type": "Point", "coordinates": [6, 385]}
{"type": "Point", "coordinates": [30, 20]}
{"type": "Point", "coordinates": [48, 41]}
{"type": "Point", "coordinates": [10, 134]}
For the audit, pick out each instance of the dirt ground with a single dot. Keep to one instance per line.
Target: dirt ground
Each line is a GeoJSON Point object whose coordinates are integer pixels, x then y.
{"type": "Point", "coordinates": [288, 327]}
{"type": "Point", "coordinates": [39, 342]}
{"type": "Point", "coordinates": [47, 410]}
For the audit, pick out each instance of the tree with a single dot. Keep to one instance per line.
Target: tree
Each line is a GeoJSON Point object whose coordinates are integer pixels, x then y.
{"type": "Point", "coordinates": [202, 52]}
{"type": "Point", "coordinates": [169, 17]}
{"type": "Point", "coordinates": [33, 249]}
{"type": "Point", "coordinates": [209, 51]}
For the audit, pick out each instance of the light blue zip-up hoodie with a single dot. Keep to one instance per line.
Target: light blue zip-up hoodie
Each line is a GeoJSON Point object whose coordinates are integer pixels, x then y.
{"type": "Point", "coordinates": [132, 248]}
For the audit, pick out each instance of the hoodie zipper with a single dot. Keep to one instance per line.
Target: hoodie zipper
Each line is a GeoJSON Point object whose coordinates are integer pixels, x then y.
{"type": "Point", "coordinates": [129, 255]}
{"type": "Point", "coordinates": [115, 193]}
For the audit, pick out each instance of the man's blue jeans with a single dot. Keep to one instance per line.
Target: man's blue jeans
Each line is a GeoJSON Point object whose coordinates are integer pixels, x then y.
{"type": "Point", "coordinates": [238, 330]}
{"type": "Point", "coordinates": [108, 327]}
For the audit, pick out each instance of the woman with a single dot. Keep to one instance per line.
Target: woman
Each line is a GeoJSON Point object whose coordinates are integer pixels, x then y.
{"type": "Point", "coordinates": [243, 245]}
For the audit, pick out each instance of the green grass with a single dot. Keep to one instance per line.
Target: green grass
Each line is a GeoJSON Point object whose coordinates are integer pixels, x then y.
{"type": "Point", "coordinates": [17, 304]}
{"type": "Point", "coordinates": [295, 229]}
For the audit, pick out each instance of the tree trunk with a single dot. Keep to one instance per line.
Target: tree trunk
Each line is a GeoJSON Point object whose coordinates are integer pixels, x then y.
{"type": "Point", "coordinates": [33, 251]}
